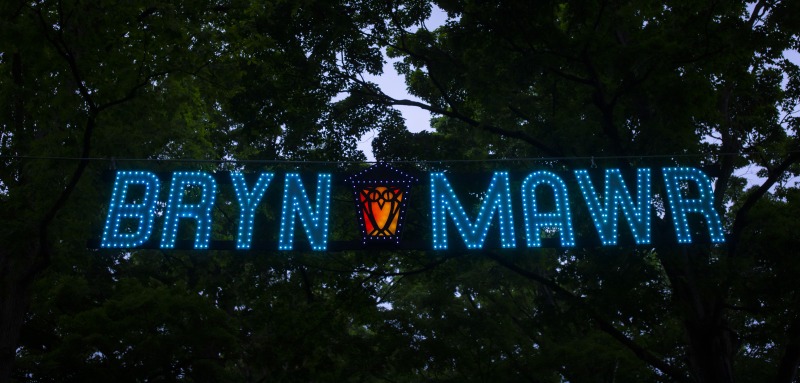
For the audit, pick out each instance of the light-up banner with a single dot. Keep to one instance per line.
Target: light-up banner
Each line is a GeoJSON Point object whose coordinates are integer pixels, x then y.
{"type": "Point", "coordinates": [385, 207]}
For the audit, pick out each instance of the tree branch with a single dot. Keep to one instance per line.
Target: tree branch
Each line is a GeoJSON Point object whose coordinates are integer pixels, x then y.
{"type": "Point", "coordinates": [452, 111]}
{"type": "Point", "coordinates": [740, 221]}
{"type": "Point", "coordinates": [758, 10]}
{"type": "Point", "coordinates": [388, 100]}
{"type": "Point", "coordinates": [601, 323]}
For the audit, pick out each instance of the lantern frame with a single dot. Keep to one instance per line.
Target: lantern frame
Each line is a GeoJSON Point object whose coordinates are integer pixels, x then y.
{"type": "Point", "coordinates": [381, 175]}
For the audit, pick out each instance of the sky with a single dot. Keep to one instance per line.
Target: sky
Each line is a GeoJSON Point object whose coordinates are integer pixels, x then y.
{"type": "Point", "coordinates": [394, 85]}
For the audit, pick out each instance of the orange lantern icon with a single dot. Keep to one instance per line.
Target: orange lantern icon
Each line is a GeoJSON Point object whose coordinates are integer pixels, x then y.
{"type": "Point", "coordinates": [381, 195]}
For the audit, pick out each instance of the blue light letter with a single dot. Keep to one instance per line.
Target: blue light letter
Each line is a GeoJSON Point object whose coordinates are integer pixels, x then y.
{"type": "Point", "coordinates": [616, 195]}
{"type": "Point", "coordinates": [315, 221]}
{"type": "Point", "coordinates": [444, 200]}
{"type": "Point", "coordinates": [119, 210]}
{"type": "Point", "coordinates": [177, 209]}
{"type": "Point", "coordinates": [680, 206]}
{"type": "Point", "coordinates": [535, 220]}
{"type": "Point", "coordinates": [248, 201]}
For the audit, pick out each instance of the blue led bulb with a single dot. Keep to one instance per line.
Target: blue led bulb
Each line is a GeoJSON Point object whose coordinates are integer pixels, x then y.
{"type": "Point", "coordinates": [536, 220]}
{"type": "Point", "coordinates": [680, 206]}
{"type": "Point", "coordinates": [314, 219]}
{"type": "Point", "coordinates": [497, 199]}
{"type": "Point", "coordinates": [248, 201]}
{"type": "Point", "coordinates": [616, 196]}
{"type": "Point", "coordinates": [118, 210]}
{"type": "Point", "coordinates": [200, 212]}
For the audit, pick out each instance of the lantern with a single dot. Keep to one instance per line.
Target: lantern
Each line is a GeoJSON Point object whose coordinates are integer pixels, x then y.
{"type": "Point", "coordinates": [381, 195]}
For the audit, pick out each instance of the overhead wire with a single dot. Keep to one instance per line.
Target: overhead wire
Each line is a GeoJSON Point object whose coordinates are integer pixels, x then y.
{"type": "Point", "coordinates": [440, 161]}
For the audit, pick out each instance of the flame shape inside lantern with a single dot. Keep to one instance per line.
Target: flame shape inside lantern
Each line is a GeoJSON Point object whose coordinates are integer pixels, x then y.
{"type": "Point", "coordinates": [380, 206]}
{"type": "Point", "coordinates": [381, 198]}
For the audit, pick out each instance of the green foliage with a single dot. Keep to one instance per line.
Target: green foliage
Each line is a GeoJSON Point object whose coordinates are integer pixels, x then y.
{"type": "Point", "coordinates": [633, 84]}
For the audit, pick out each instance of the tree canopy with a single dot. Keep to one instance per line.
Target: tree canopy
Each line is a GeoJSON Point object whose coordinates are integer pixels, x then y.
{"type": "Point", "coordinates": [87, 87]}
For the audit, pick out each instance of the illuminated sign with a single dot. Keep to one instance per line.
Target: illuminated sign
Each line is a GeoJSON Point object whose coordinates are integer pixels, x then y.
{"type": "Point", "coordinates": [538, 203]}
{"type": "Point", "coordinates": [381, 194]}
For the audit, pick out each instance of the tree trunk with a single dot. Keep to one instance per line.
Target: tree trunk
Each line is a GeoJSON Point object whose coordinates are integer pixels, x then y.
{"type": "Point", "coordinates": [711, 349]}
{"type": "Point", "coordinates": [711, 344]}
